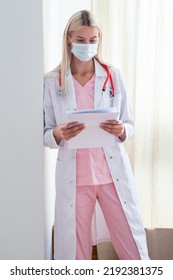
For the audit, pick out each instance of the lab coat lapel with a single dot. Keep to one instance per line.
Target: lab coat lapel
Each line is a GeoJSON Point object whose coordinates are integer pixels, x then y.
{"type": "Point", "coordinates": [70, 92]}
{"type": "Point", "coordinates": [99, 81]}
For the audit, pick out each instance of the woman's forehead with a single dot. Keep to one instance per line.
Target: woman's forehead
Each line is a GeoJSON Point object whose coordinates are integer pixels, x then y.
{"type": "Point", "coordinates": [83, 31]}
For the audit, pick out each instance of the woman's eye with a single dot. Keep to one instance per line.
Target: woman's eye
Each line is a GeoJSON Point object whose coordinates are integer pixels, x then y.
{"type": "Point", "coordinates": [81, 41]}
{"type": "Point", "coordinates": [93, 41]}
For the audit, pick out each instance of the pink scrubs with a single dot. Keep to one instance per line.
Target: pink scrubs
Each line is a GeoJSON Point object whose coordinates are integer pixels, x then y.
{"type": "Point", "coordinates": [94, 182]}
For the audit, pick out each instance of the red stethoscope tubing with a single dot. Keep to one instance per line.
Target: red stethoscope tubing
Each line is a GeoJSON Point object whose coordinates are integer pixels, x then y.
{"type": "Point", "coordinates": [109, 77]}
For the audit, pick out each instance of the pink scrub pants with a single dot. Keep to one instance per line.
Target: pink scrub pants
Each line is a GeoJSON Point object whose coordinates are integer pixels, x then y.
{"type": "Point", "coordinates": [115, 218]}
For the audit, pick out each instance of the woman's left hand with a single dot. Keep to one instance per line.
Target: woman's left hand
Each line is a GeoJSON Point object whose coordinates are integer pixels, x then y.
{"type": "Point", "coordinates": [115, 127]}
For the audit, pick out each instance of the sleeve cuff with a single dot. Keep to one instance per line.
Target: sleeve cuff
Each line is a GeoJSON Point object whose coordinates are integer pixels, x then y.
{"type": "Point", "coordinates": [49, 140]}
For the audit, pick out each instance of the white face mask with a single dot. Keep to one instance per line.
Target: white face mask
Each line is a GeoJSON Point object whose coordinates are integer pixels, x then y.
{"type": "Point", "coordinates": [84, 52]}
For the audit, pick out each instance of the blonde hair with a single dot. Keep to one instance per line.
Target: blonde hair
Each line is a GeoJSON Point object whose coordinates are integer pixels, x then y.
{"type": "Point", "coordinates": [81, 18]}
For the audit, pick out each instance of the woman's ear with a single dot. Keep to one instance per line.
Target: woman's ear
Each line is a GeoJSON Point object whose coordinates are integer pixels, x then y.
{"type": "Point", "coordinates": [69, 40]}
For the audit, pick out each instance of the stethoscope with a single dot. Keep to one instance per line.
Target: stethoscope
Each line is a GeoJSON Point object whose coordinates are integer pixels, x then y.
{"type": "Point", "coordinates": [109, 77]}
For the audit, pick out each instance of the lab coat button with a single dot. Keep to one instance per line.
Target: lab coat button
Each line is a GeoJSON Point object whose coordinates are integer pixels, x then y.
{"type": "Point", "coordinates": [117, 180]}
{"type": "Point", "coordinates": [111, 157]}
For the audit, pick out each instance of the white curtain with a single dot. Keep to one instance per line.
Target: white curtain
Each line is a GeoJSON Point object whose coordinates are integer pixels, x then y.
{"type": "Point", "coordinates": [140, 33]}
{"type": "Point", "coordinates": [146, 60]}
{"type": "Point", "coordinates": [138, 39]}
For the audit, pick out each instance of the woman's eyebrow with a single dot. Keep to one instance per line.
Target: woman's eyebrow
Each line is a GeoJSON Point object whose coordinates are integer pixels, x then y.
{"type": "Point", "coordinates": [81, 37]}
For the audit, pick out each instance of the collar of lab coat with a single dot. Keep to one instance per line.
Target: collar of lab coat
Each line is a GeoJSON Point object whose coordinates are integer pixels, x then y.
{"type": "Point", "coordinates": [100, 76]}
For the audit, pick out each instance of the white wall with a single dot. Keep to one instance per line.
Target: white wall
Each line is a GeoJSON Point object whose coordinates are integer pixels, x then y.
{"type": "Point", "coordinates": [21, 148]}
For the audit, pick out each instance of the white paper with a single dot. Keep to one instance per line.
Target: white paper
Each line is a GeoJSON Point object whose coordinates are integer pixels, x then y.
{"type": "Point", "coordinates": [92, 136]}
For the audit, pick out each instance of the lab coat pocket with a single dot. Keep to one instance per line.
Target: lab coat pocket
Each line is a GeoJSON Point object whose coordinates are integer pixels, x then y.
{"type": "Point", "coordinates": [106, 99]}
{"type": "Point", "coordinates": [117, 101]}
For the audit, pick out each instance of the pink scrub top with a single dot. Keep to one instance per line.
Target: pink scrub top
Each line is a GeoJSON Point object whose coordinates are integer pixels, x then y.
{"type": "Point", "coordinates": [91, 164]}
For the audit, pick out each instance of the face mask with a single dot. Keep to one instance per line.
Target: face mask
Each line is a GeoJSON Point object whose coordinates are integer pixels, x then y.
{"type": "Point", "coordinates": [84, 52]}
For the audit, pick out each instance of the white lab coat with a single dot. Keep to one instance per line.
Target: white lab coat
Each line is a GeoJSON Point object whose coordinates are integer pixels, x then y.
{"type": "Point", "coordinates": [55, 108]}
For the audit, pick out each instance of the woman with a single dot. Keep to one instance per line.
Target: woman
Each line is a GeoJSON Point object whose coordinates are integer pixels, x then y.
{"type": "Point", "coordinates": [84, 176]}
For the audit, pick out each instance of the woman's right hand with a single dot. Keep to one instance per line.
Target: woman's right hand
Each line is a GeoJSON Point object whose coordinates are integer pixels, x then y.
{"type": "Point", "coordinates": [67, 131]}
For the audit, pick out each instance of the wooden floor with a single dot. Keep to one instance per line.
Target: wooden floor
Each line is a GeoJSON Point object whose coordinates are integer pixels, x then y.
{"type": "Point", "coordinates": [94, 254]}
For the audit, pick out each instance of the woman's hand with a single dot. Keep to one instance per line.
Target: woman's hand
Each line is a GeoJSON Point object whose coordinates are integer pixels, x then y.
{"type": "Point", "coordinates": [67, 131]}
{"type": "Point", "coordinates": [115, 127]}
